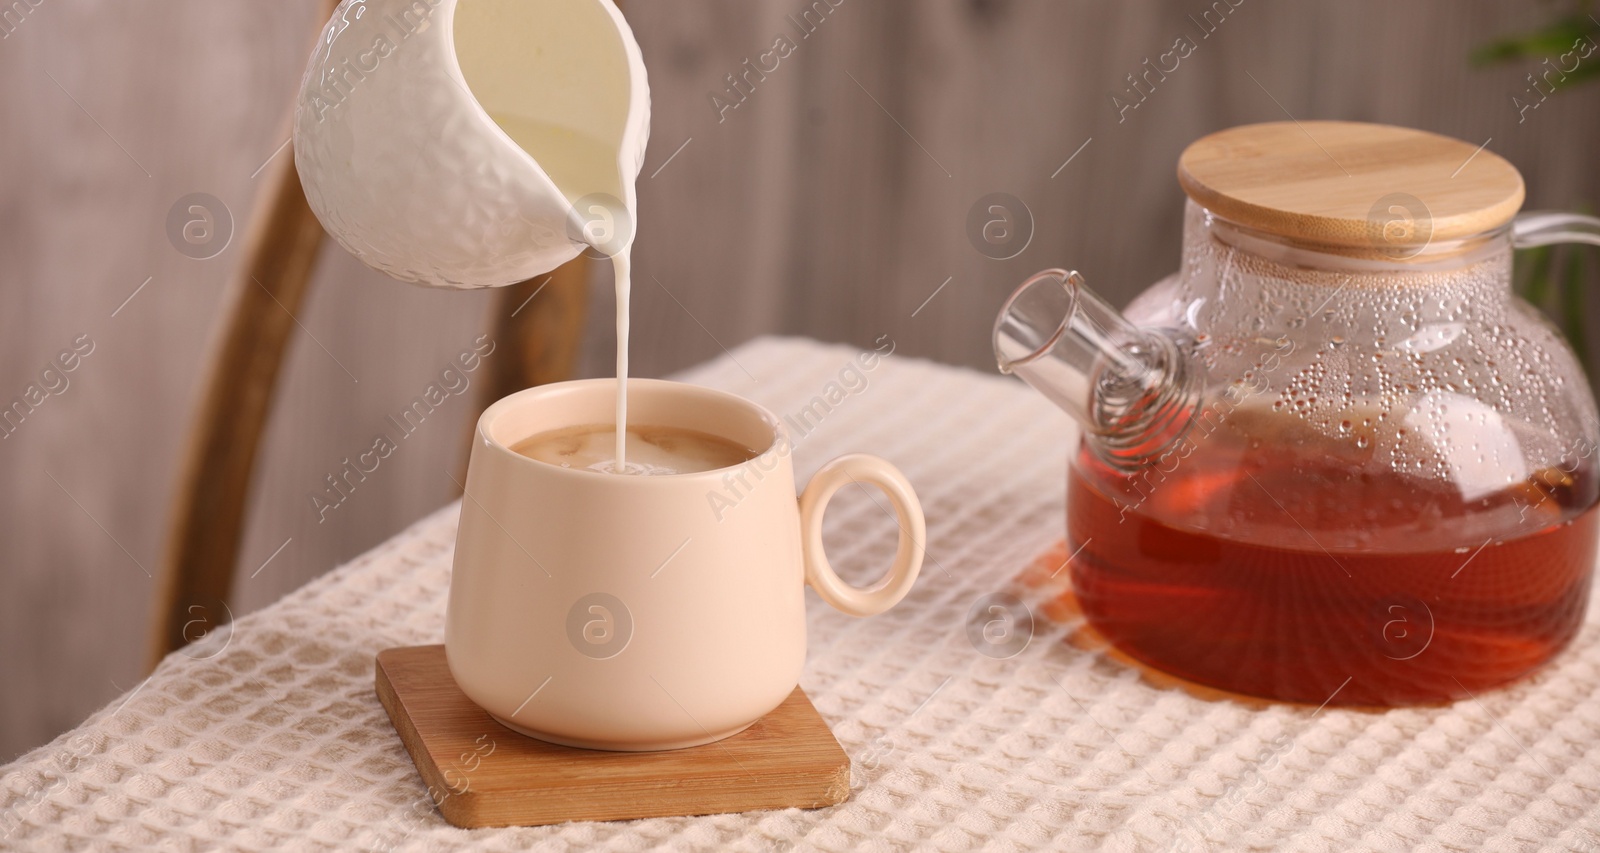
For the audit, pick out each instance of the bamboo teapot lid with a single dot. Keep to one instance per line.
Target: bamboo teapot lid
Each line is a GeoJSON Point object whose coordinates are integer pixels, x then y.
{"type": "Point", "coordinates": [1368, 190]}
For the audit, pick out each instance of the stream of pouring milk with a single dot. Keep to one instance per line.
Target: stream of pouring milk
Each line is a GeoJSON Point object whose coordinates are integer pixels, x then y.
{"type": "Point", "coordinates": [582, 166]}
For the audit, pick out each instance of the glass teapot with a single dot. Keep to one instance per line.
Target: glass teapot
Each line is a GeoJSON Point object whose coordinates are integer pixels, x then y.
{"type": "Point", "coordinates": [1333, 459]}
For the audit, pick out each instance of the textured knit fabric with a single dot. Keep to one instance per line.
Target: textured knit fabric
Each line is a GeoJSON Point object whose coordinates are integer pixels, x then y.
{"type": "Point", "coordinates": [277, 741]}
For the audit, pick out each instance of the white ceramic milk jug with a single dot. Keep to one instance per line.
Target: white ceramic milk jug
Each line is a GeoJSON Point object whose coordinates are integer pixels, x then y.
{"type": "Point", "coordinates": [473, 143]}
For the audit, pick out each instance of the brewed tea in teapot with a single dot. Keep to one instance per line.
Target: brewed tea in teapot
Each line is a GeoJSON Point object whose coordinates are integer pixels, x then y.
{"type": "Point", "coordinates": [1333, 458]}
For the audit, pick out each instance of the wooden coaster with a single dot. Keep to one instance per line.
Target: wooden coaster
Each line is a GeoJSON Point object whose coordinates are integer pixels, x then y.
{"type": "Point", "coordinates": [481, 773]}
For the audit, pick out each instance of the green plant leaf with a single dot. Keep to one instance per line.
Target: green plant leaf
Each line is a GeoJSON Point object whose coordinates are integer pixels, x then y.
{"type": "Point", "coordinates": [1551, 40]}
{"type": "Point", "coordinates": [1533, 280]}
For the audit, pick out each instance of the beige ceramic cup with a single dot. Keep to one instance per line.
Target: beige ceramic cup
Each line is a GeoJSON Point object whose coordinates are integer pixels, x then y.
{"type": "Point", "coordinates": [645, 613]}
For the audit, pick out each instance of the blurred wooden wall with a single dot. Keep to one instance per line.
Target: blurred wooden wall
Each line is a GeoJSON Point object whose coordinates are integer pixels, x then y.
{"type": "Point", "coordinates": [833, 202]}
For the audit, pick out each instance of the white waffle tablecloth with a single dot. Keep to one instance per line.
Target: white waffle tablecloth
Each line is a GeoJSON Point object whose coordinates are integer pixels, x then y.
{"type": "Point", "coordinates": [278, 742]}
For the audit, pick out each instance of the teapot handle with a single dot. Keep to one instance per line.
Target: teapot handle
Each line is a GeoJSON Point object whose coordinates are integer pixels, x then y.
{"type": "Point", "coordinates": [1544, 227]}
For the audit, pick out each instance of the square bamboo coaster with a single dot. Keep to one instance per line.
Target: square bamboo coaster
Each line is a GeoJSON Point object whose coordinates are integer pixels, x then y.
{"type": "Point", "coordinates": [482, 774]}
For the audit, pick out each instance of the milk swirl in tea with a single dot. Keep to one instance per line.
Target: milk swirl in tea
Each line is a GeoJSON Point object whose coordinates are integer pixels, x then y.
{"type": "Point", "coordinates": [652, 450]}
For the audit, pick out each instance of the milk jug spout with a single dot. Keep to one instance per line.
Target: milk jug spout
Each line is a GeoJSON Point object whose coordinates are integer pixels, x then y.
{"type": "Point", "coordinates": [1132, 390]}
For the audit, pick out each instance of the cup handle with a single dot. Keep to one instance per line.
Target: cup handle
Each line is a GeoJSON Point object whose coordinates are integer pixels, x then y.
{"type": "Point", "coordinates": [887, 592]}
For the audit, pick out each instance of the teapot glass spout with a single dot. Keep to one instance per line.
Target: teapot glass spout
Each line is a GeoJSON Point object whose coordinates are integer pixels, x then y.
{"type": "Point", "coordinates": [1133, 391]}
